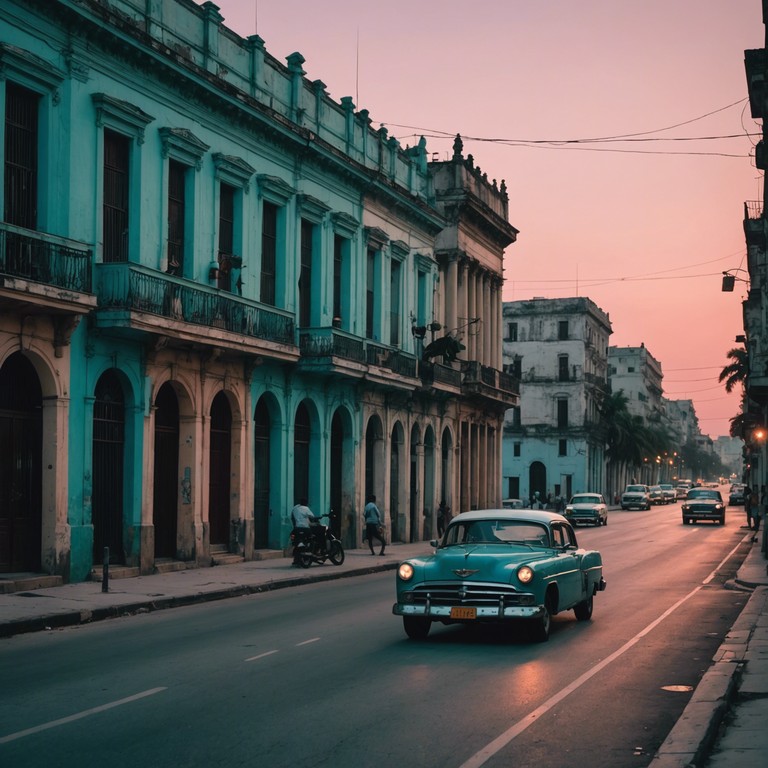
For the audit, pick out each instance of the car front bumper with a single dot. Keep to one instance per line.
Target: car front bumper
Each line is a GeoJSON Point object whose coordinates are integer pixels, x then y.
{"type": "Point", "coordinates": [483, 613]}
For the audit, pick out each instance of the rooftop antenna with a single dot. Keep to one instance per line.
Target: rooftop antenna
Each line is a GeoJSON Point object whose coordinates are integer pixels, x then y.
{"type": "Point", "coordinates": [256, 17]}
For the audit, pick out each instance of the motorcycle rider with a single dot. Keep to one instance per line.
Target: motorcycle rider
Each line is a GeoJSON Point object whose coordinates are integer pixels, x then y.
{"type": "Point", "coordinates": [302, 519]}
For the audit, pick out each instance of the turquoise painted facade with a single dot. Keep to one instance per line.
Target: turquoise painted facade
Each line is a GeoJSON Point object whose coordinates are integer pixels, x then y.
{"type": "Point", "coordinates": [223, 283]}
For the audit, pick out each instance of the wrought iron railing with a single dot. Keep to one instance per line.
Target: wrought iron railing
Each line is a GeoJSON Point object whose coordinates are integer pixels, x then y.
{"type": "Point", "coordinates": [330, 342]}
{"type": "Point", "coordinates": [137, 288]}
{"type": "Point", "coordinates": [45, 258]}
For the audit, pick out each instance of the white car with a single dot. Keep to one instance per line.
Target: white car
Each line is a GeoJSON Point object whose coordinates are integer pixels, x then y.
{"type": "Point", "coordinates": [636, 495]}
{"type": "Point", "coordinates": [587, 508]}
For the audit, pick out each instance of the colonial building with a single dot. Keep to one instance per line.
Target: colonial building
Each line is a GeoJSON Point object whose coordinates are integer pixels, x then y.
{"type": "Point", "coordinates": [222, 291]}
{"type": "Point", "coordinates": [552, 442]}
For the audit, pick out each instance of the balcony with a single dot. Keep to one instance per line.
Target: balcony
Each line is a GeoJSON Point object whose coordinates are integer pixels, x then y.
{"type": "Point", "coordinates": [135, 299]}
{"type": "Point", "coordinates": [331, 351]}
{"type": "Point", "coordinates": [489, 385]}
{"type": "Point", "coordinates": [754, 224]}
{"type": "Point", "coordinates": [44, 274]}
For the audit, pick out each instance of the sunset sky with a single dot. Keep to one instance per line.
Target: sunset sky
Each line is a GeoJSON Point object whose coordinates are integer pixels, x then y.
{"type": "Point", "coordinates": [643, 227]}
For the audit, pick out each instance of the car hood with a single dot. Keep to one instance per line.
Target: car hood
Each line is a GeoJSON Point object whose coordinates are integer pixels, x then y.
{"type": "Point", "coordinates": [586, 507]}
{"type": "Point", "coordinates": [476, 563]}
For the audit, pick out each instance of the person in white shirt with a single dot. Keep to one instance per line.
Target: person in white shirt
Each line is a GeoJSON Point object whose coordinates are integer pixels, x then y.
{"type": "Point", "coordinates": [374, 524]}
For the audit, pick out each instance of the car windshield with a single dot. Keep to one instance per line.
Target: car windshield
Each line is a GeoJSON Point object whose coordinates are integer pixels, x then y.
{"type": "Point", "coordinates": [585, 499]}
{"type": "Point", "coordinates": [497, 532]}
{"type": "Point", "coordinates": [666, 487]}
{"type": "Point", "coordinates": [635, 488]}
{"type": "Point", "coordinates": [702, 493]}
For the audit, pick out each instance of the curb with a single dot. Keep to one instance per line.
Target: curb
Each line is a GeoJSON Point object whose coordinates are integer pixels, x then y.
{"type": "Point", "coordinates": [88, 616]}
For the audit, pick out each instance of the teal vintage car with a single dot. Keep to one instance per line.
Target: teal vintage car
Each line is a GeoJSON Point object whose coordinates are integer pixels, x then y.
{"type": "Point", "coordinates": [499, 565]}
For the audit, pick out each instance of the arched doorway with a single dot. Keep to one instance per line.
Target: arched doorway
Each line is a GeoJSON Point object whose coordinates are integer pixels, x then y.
{"type": "Point", "coordinates": [302, 433]}
{"type": "Point", "coordinates": [108, 469]}
{"type": "Point", "coordinates": [20, 466]}
{"type": "Point", "coordinates": [166, 485]}
{"type": "Point", "coordinates": [396, 482]}
{"type": "Point", "coordinates": [446, 468]}
{"type": "Point", "coordinates": [537, 480]}
{"type": "Point", "coordinates": [374, 466]}
{"type": "Point", "coordinates": [415, 512]}
{"type": "Point", "coordinates": [220, 471]}
{"type": "Point", "coordinates": [337, 472]}
{"type": "Point", "coordinates": [262, 425]}
{"type": "Point", "coordinates": [430, 506]}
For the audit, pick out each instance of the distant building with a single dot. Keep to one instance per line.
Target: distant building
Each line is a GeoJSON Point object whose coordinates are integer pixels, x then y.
{"type": "Point", "coordinates": [638, 373]}
{"type": "Point", "coordinates": [731, 453]}
{"type": "Point", "coordinates": [558, 348]}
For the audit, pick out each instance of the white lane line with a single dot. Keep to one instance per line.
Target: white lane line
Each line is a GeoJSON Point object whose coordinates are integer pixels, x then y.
{"type": "Point", "coordinates": [487, 752]}
{"type": "Point", "coordinates": [261, 655]}
{"type": "Point", "coordinates": [78, 716]}
{"type": "Point", "coordinates": [307, 642]}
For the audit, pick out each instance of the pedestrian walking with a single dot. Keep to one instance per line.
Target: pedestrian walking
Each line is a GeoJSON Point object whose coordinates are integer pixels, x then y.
{"type": "Point", "coordinates": [374, 524]}
{"type": "Point", "coordinates": [761, 510]}
{"type": "Point", "coordinates": [751, 501]}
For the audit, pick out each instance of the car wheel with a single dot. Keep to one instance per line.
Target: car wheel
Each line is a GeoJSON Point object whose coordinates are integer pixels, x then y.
{"type": "Point", "coordinates": [416, 628]}
{"type": "Point", "coordinates": [722, 520]}
{"type": "Point", "coordinates": [583, 610]}
{"type": "Point", "coordinates": [541, 627]}
{"type": "Point", "coordinates": [336, 553]}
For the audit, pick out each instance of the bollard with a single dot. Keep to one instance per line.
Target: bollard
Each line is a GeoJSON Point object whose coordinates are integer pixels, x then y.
{"type": "Point", "coordinates": [105, 571]}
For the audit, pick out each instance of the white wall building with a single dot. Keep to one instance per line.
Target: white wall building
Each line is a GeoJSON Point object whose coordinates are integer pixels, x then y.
{"type": "Point", "coordinates": [559, 350]}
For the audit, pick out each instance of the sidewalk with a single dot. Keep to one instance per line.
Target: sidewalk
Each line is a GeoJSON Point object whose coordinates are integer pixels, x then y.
{"type": "Point", "coordinates": [724, 723]}
{"type": "Point", "coordinates": [69, 604]}
{"type": "Point", "coordinates": [724, 720]}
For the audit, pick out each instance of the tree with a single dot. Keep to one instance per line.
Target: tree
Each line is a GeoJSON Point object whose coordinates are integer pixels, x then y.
{"type": "Point", "coordinates": [737, 371]}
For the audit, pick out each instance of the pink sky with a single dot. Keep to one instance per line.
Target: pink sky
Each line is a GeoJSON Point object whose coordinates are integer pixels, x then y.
{"type": "Point", "coordinates": [644, 233]}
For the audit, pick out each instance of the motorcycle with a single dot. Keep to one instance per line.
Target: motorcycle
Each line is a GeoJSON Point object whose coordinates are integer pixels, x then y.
{"type": "Point", "coordinates": [316, 545]}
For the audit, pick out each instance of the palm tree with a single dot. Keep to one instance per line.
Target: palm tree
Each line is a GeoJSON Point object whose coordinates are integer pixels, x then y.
{"type": "Point", "coordinates": [737, 371]}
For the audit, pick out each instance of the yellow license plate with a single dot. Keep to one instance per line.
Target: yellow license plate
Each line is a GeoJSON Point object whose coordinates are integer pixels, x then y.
{"type": "Point", "coordinates": [463, 613]}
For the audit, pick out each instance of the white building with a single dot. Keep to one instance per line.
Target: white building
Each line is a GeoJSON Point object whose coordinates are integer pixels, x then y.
{"type": "Point", "coordinates": [638, 373]}
{"type": "Point", "coordinates": [558, 348]}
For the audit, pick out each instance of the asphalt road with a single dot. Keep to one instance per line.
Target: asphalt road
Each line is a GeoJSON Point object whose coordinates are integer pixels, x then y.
{"type": "Point", "coordinates": [324, 675]}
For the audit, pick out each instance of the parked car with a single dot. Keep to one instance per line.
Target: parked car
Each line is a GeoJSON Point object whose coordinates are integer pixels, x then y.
{"type": "Point", "coordinates": [587, 508]}
{"type": "Point", "coordinates": [682, 490]}
{"type": "Point", "coordinates": [668, 490]}
{"type": "Point", "coordinates": [512, 503]}
{"type": "Point", "coordinates": [703, 504]}
{"type": "Point", "coordinates": [736, 496]}
{"type": "Point", "coordinates": [499, 565]}
{"type": "Point", "coordinates": [636, 496]}
{"type": "Point", "coordinates": [655, 494]}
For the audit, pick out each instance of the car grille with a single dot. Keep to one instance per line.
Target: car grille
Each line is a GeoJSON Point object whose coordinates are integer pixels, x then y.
{"type": "Point", "coordinates": [469, 593]}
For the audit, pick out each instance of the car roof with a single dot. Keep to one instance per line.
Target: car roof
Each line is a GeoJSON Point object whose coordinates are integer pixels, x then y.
{"type": "Point", "coordinates": [525, 515]}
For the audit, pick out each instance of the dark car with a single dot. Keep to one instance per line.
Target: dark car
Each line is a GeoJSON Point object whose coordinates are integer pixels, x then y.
{"type": "Point", "coordinates": [736, 496]}
{"type": "Point", "coordinates": [703, 504]}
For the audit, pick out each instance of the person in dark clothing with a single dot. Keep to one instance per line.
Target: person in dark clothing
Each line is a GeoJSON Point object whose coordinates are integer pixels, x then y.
{"type": "Point", "coordinates": [374, 524]}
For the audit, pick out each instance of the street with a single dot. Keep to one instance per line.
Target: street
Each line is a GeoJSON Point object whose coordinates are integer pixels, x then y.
{"type": "Point", "coordinates": [324, 675]}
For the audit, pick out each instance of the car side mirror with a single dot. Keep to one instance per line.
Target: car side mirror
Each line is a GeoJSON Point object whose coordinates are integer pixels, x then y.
{"type": "Point", "coordinates": [433, 543]}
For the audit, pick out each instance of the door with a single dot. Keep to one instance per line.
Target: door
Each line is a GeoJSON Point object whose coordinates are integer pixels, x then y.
{"type": "Point", "coordinates": [20, 466]}
{"type": "Point", "coordinates": [165, 493]}
{"type": "Point", "coordinates": [261, 466]}
{"type": "Point", "coordinates": [108, 451]}
{"type": "Point", "coordinates": [220, 470]}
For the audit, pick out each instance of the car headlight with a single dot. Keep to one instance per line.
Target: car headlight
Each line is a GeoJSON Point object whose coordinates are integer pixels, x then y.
{"type": "Point", "coordinates": [569, 510]}
{"type": "Point", "coordinates": [405, 571]}
{"type": "Point", "coordinates": [685, 507]}
{"type": "Point", "coordinates": [524, 574]}
{"type": "Point", "coordinates": [718, 507]}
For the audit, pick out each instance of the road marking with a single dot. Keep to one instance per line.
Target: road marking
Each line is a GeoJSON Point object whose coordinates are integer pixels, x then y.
{"type": "Point", "coordinates": [78, 716]}
{"type": "Point", "coordinates": [261, 655]}
{"type": "Point", "coordinates": [487, 752]}
{"type": "Point", "coordinates": [307, 642]}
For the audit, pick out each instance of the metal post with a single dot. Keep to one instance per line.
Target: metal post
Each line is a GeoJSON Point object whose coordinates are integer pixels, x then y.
{"type": "Point", "coordinates": [105, 571]}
